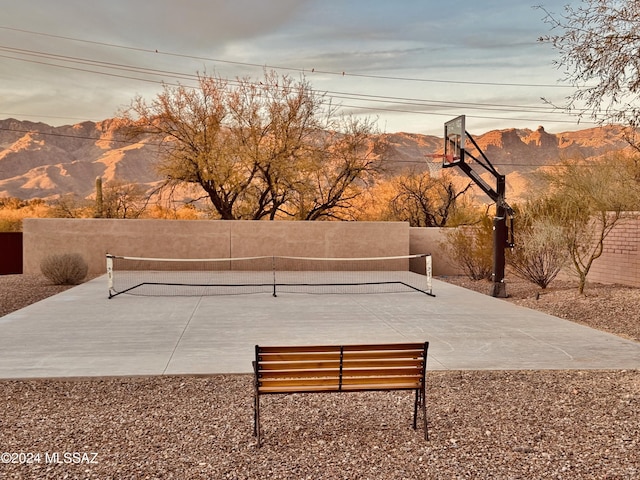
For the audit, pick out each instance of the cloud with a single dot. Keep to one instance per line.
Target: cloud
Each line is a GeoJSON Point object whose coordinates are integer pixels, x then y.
{"type": "Point", "coordinates": [166, 24]}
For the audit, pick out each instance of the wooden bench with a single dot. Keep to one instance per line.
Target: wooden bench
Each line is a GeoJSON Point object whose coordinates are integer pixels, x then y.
{"type": "Point", "coordinates": [347, 368]}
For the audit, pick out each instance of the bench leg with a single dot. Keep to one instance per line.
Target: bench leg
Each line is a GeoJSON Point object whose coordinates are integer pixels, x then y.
{"type": "Point", "coordinates": [415, 409]}
{"type": "Point", "coordinates": [420, 401]}
{"type": "Point", "coordinates": [424, 413]}
{"type": "Point", "coordinates": [256, 418]}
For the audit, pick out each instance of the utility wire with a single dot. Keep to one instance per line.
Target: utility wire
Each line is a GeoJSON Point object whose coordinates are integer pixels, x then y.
{"type": "Point", "coordinates": [335, 94]}
{"type": "Point", "coordinates": [343, 73]}
{"type": "Point", "coordinates": [402, 101]}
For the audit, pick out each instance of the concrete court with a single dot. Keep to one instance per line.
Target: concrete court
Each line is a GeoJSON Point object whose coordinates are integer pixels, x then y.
{"type": "Point", "coordinates": [80, 332]}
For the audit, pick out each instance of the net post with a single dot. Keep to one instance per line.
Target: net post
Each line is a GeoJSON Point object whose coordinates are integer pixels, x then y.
{"type": "Point", "coordinates": [429, 271]}
{"type": "Point", "coordinates": [273, 268]}
{"type": "Point", "coordinates": [110, 273]}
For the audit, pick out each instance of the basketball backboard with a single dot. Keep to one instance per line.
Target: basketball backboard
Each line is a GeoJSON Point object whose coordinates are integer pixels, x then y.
{"type": "Point", "coordinates": [454, 137]}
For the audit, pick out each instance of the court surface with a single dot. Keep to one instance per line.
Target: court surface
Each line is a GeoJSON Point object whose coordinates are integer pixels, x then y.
{"type": "Point", "coordinates": [81, 332]}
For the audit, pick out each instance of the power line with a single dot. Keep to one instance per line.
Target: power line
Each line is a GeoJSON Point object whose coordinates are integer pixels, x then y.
{"type": "Point", "coordinates": [334, 94]}
{"type": "Point", "coordinates": [411, 102]}
{"type": "Point", "coordinates": [343, 73]}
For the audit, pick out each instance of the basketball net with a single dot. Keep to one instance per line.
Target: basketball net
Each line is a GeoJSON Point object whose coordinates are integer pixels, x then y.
{"type": "Point", "coordinates": [435, 168]}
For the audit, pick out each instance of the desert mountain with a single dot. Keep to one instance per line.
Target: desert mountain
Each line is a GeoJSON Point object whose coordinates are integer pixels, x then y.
{"type": "Point", "coordinates": [41, 161]}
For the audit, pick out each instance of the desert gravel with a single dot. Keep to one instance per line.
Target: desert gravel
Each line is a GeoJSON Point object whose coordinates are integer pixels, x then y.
{"type": "Point", "coordinates": [482, 424]}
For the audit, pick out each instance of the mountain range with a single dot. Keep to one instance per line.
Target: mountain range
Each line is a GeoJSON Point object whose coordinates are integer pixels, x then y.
{"type": "Point", "coordinates": [42, 161]}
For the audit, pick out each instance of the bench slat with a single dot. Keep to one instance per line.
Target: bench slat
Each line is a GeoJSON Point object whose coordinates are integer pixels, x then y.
{"type": "Point", "coordinates": [298, 357]}
{"type": "Point", "coordinates": [372, 387]}
{"type": "Point", "coordinates": [347, 356]}
{"type": "Point", "coordinates": [301, 389]}
{"type": "Point", "coordinates": [282, 365]}
{"type": "Point", "coordinates": [361, 363]}
{"type": "Point", "coordinates": [357, 355]}
{"type": "Point", "coordinates": [363, 373]}
{"type": "Point", "coordinates": [295, 383]}
{"type": "Point", "coordinates": [334, 388]}
{"type": "Point", "coordinates": [299, 373]}
{"type": "Point", "coordinates": [336, 348]}
{"type": "Point", "coordinates": [378, 372]}
{"type": "Point", "coordinates": [414, 380]}
{"type": "Point", "coordinates": [385, 346]}
{"type": "Point", "coordinates": [383, 363]}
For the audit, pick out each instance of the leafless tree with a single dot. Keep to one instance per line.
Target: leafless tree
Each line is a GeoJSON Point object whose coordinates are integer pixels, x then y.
{"type": "Point", "coordinates": [122, 199]}
{"type": "Point", "coordinates": [256, 148]}
{"type": "Point", "coordinates": [425, 200]}
{"type": "Point", "coordinates": [598, 42]}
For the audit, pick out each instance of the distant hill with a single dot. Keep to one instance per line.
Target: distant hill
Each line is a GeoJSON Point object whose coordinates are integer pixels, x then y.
{"type": "Point", "coordinates": [41, 161]}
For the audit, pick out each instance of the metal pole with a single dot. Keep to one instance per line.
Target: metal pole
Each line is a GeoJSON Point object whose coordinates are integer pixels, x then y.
{"type": "Point", "coordinates": [500, 241]}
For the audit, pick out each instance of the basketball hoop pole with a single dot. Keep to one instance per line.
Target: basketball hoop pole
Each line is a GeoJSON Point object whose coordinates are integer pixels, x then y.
{"type": "Point", "coordinates": [501, 240]}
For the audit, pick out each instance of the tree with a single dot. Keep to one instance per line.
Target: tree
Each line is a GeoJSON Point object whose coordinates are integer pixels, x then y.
{"type": "Point", "coordinates": [587, 200]}
{"type": "Point", "coordinates": [122, 199]}
{"type": "Point", "coordinates": [345, 164]}
{"type": "Point", "coordinates": [425, 200]}
{"type": "Point", "coordinates": [257, 149]}
{"type": "Point", "coordinates": [70, 205]}
{"type": "Point", "coordinates": [598, 44]}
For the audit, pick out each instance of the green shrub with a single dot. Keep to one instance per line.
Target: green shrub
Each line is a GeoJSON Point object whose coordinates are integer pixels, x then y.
{"type": "Point", "coordinates": [64, 269]}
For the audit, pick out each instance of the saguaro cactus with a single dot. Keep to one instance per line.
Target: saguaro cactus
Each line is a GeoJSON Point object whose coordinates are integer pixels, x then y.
{"type": "Point", "coordinates": [99, 202]}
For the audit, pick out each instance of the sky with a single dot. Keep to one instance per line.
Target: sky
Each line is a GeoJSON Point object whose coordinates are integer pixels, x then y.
{"type": "Point", "coordinates": [411, 65]}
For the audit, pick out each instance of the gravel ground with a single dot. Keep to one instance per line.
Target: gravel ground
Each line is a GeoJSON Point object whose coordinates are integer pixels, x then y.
{"type": "Point", "coordinates": [483, 424]}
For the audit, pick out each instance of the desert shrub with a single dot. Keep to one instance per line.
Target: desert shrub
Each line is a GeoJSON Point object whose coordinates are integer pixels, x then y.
{"type": "Point", "coordinates": [64, 269]}
{"type": "Point", "coordinates": [471, 248]}
{"type": "Point", "coordinates": [540, 252]}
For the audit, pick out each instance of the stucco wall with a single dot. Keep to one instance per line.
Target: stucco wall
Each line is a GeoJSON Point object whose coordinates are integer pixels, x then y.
{"type": "Point", "coordinates": [93, 238]}
{"type": "Point", "coordinates": [429, 240]}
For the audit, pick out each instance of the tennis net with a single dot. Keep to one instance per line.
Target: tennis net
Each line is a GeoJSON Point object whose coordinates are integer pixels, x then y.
{"type": "Point", "coordinates": [266, 274]}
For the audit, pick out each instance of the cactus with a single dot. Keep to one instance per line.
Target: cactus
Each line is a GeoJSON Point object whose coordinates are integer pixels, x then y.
{"type": "Point", "coordinates": [99, 203]}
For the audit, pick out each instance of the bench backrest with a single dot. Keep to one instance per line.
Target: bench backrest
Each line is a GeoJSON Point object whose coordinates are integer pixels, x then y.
{"type": "Point", "coordinates": [331, 368]}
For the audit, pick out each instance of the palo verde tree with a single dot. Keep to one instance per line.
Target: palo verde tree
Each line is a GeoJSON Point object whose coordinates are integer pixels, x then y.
{"type": "Point", "coordinates": [586, 201]}
{"type": "Point", "coordinates": [257, 149]}
{"type": "Point", "coordinates": [598, 42]}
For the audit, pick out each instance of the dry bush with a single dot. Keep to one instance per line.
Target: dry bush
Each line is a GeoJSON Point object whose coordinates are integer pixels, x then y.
{"type": "Point", "coordinates": [64, 269]}
{"type": "Point", "coordinates": [540, 253]}
{"type": "Point", "coordinates": [471, 248]}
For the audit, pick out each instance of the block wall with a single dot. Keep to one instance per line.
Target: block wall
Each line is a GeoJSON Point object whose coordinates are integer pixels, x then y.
{"type": "Point", "coordinates": [620, 260]}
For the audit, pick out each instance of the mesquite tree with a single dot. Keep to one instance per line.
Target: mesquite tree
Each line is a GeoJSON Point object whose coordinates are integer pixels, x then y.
{"type": "Point", "coordinates": [258, 149]}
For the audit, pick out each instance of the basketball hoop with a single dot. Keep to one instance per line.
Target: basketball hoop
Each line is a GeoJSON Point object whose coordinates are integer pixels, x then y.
{"type": "Point", "coordinates": [448, 160]}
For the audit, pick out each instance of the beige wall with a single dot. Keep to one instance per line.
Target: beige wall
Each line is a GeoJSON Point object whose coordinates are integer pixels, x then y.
{"type": "Point", "coordinates": [429, 240]}
{"type": "Point", "coordinates": [93, 238]}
